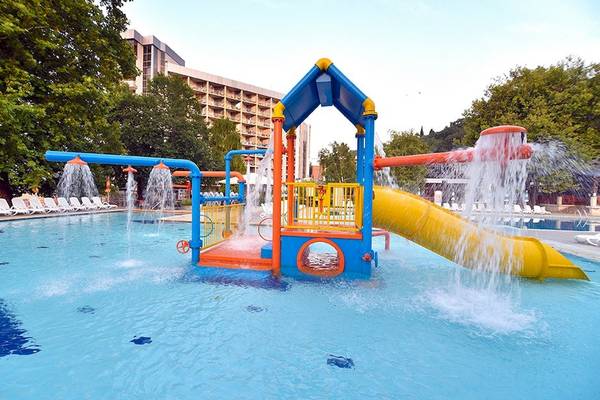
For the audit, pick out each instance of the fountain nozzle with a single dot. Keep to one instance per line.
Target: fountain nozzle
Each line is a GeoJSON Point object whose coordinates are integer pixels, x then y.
{"type": "Point", "coordinates": [76, 161]}
{"type": "Point", "coordinates": [161, 165]}
{"type": "Point", "coordinates": [130, 169]}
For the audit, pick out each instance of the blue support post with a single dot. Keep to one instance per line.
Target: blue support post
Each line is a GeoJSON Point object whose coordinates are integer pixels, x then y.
{"type": "Point", "coordinates": [369, 155]}
{"type": "Point", "coordinates": [360, 157]}
{"type": "Point", "coordinates": [228, 158]}
{"type": "Point", "coordinates": [242, 192]}
{"type": "Point", "coordinates": [196, 242]}
{"type": "Point", "coordinates": [136, 161]}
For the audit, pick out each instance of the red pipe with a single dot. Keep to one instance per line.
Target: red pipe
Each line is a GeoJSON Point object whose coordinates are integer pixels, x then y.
{"type": "Point", "coordinates": [503, 154]}
{"type": "Point", "coordinates": [459, 156]}
{"type": "Point", "coordinates": [386, 234]}
{"type": "Point", "coordinates": [277, 146]}
{"type": "Point", "coordinates": [212, 174]}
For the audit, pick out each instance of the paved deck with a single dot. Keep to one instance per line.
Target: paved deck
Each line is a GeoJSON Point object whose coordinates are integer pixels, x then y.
{"type": "Point", "coordinates": [564, 241]}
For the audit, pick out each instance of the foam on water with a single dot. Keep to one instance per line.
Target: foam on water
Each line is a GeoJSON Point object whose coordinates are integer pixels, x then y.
{"type": "Point", "coordinates": [491, 312]}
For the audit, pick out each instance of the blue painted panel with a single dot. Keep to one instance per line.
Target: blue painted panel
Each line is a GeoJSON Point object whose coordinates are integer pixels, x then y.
{"type": "Point", "coordinates": [355, 267]}
{"type": "Point", "coordinates": [324, 90]}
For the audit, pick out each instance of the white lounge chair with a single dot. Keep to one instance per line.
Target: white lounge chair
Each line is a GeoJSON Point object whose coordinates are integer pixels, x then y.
{"type": "Point", "coordinates": [64, 204]}
{"type": "Point", "coordinates": [36, 205]}
{"type": "Point", "coordinates": [517, 209]}
{"type": "Point", "coordinates": [51, 205]}
{"type": "Point", "coordinates": [594, 240]}
{"type": "Point", "coordinates": [5, 208]}
{"type": "Point", "coordinates": [87, 203]}
{"type": "Point", "coordinates": [96, 200]}
{"type": "Point", "coordinates": [74, 201]}
{"type": "Point", "coordinates": [527, 209]}
{"type": "Point", "coordinates": [543, 208]}
{"type": "Point", "coordinates": [454, 207]}
{"type": "Point", "coordinates": [537, 210]}
{"type": "Point", "coordinates": [446, 206]}
{"type": "Point", "coordinates": [19, 206]}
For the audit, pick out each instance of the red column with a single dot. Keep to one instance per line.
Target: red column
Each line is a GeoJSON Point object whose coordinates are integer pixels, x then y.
{"type": "Point", "coordinates": [277, 172]}
{"type": "Point", "coordinates": [291, 172]}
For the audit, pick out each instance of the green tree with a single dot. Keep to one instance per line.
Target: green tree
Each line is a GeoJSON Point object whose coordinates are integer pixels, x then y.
{"type": "Point", "coordinates": [61, 63]}
{"type": "Point", "coordinates": [446, 139]}
{"type": "Point", "coordinates": [404, 144]}
{"type": "Point", "coordinates": [165, 122]}
{"type": "Point", "coordinates": [338, 163]}
{"type": "Point", "coordinates": [224, 136]}
{"type": "Point", "coordinates": [559, 102]}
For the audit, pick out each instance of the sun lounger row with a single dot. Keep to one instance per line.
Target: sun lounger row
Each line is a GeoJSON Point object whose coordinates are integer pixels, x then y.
{"type": "Point", "coordinates": [593, 239]}
{"type": "Point", "coordinates": [48, 205]}
{"type": "Point", "coordinates": [480, 207]}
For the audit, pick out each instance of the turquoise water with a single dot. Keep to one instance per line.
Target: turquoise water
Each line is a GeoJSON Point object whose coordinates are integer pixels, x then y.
{"type": "Point", "coordinates": [76, 296]}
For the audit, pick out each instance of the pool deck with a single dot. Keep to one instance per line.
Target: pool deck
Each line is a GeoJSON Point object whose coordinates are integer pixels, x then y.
{"type": "Point", "coordinates": [564, 241]}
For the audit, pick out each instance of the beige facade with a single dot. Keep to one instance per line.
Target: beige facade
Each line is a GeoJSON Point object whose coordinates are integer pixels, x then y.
{"type": "Point", "coordinates": [247, 105]}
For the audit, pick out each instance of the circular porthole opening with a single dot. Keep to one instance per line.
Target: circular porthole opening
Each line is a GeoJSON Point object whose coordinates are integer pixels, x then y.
{"type": "Point", "coordinates": [320, 257]}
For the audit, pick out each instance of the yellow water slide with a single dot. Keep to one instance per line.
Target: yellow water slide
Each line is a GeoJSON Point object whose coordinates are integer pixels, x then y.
{"type": "Point", "coordinates": [451, 236]}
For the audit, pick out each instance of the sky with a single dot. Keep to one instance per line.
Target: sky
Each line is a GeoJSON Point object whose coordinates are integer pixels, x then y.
{"type": "Point", "coordinates": [422, 62]}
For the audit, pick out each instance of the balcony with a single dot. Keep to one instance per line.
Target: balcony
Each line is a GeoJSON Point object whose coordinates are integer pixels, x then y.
{"type": "Point", "coordinates": [249, 100]}
{"type": "Point", "coordinates": [236, 96]}
{"type": "Point", "coordinates": [248, 132]}
{"type": "Point", "coordinates": [216, 92]}
{"type": "Point", "coordinates": [213, 103]}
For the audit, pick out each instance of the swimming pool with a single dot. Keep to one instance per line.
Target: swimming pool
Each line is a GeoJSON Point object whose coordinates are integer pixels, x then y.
{"type": "Point", "coordinates": [86, 312]}
{"type": "Point", "coordinates": [556, 224]}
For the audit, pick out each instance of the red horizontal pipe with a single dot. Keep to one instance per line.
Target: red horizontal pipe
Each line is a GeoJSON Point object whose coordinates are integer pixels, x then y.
{"type": "Point", "coordinates": [458, 156]}
{"type": "Point", "coordinates": [386, 234]}
{"type": "Point", "coordinates": [212, 174]}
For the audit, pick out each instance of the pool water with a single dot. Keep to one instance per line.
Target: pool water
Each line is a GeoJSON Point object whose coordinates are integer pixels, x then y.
{"type": "Point", "coordinates": [556, 224]}
{"type": "Point", "coordinates": [86, 312]}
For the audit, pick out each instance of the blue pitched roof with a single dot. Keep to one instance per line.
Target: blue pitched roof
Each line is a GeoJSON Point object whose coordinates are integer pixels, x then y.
{"type": "Point", "coordinates": [323, 85]}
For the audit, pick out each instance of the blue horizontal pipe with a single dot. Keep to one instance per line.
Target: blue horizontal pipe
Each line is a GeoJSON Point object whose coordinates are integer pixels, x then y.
{"type": "Point", "coordinates": [136, 161]}
{"type": "Point", "coordinates": [230, 154]}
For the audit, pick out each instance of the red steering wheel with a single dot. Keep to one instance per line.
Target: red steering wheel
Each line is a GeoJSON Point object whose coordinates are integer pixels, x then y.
{"type": "Point", "coordinates": [183, 246]}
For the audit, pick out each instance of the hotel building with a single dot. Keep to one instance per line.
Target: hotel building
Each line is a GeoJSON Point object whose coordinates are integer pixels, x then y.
{"type": "Point", "coordinates": [247, 105]}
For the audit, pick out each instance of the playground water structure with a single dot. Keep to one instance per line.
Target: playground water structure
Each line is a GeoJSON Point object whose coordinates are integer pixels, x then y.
{"type": "Point", "coordinates": [341, 215]}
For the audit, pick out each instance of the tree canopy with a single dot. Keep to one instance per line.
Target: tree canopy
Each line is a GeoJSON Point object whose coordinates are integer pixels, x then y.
{"type": "Point", "coordinates": [224, 136]}
{"type": "Point", "coordinates": [559, 102]}
{"type": "Point", "coordinates": [61, 64]}
{"type": "Point", "coordinates": [338, 163]}
{"type": "Point", "coordinates": [404, 144]}
{"type": "Point", "coordinates": [165, 122]}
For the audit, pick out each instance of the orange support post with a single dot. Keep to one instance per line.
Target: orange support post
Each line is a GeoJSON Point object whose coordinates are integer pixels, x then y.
{"type": "Point", "coordinates": [277, 170]}
{"type": "Point", "coordinates": [291, 167]}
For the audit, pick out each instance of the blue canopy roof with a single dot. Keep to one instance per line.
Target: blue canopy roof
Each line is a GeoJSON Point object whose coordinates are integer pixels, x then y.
{"type": "Point", "coordinates": [325, 85]}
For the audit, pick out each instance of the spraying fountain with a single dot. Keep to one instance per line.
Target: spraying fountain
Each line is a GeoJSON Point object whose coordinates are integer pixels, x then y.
{"type": "Point", "coordinates": [77, 180]}
{"type": "Point", "coordinates": [159, 196]}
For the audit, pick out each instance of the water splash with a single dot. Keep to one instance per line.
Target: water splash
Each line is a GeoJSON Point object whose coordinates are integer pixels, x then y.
{"type": "Point", "coordinates": [383, 177]}
{"type": "Point", "coordinates": [131, 190]}
{"type": "Point", "coordinates": [77, 181]}
{"type": "Point", "coordinates": [488, 296]}
{"type": "Point", "coordinates": [259, 205]}
{"type": "Point", "coordinates": [159, 195]}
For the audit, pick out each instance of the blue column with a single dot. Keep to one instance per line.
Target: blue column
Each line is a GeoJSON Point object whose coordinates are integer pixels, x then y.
{"type": "Point", "coordinates": [196, 242]}
{"type": "Point", "coordinates": [242, 192]}
{"type": "Point", "coordinates": [369, 155]}
{"type": "Point", "coordinates": [360, 155]}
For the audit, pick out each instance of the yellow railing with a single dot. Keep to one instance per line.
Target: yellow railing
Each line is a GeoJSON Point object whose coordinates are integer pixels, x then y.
{"type": "Point", "coordinates": [334, 206]}
{"type": "Point", "coordinates": [218, 222]}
